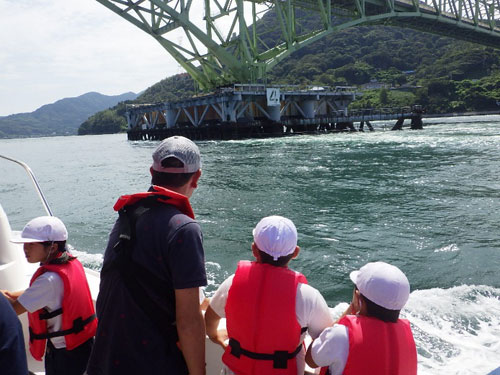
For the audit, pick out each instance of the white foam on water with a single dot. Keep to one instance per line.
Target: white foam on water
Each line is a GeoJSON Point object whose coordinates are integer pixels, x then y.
{"type": "Point", "coordinates": [92, 261]}
{"type": "Point", "coordinates": [456, 330]}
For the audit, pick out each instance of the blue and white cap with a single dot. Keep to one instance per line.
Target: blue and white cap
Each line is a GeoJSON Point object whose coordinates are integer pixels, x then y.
{"type": "Point", "coordinates": [276, 236]}
{"type": "Point", "coordinates": [180, 148]}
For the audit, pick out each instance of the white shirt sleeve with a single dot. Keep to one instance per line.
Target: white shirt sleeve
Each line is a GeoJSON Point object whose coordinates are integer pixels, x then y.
{"type": "Point", "coordinates": [312, 310]}
{"type": "Point", "coordinates": [219, 299]}
{"type": "Point", "coordinates": [47, 291]}
{"type": "Point", "coordinates": [331, 348]}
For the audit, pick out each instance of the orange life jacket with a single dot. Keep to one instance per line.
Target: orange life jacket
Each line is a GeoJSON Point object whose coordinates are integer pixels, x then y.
{"type": "Point", "coordinates": [379, 348]}
{"type": "Point", "coordinates": [264, 335]}
{"type": "Point", "coordinates": [79, 321]}
{"type": "Point", "coordinates": [181, 202]}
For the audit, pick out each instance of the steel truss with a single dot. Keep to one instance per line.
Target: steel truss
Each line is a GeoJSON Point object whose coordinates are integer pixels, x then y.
{"type": "Point", "coordinates": [218, 42]}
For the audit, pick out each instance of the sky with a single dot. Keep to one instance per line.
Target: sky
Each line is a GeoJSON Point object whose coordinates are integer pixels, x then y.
{"type": "Point", "coordinates": [55, 49]}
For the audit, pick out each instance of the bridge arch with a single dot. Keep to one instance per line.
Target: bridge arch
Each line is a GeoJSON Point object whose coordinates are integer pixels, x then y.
{"type": "Point", "coordinates": [224, 44]}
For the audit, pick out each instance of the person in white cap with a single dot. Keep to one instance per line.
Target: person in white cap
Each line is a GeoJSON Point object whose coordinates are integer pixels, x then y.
{"type": "Point", "coordinates": [148, 305]}
{"type": "Point", "coordinates": [60, 310]}
{"type": "Point", "coordinates": [369, 337]}
{"type": "Point", "coordinates": [268, 307]}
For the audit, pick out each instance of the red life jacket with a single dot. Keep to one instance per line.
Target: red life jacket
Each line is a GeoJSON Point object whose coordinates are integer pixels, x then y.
{"type": "Point", "coordinates": [264, 335]}
{"type": "Point", "coordinates": [79, 321]}
{"type": "Point", "coordinates": [181, 202]}
{"type": "Point", "coordinates": [379, 348]}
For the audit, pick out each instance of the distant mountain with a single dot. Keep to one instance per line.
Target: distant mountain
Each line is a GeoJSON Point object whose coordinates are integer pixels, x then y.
{"type": "Point", "coordinates": [60, 118]}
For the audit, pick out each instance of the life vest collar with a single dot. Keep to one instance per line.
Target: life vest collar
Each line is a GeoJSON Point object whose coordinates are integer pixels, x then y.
{"type": "Point", "coordinates": [163, 195]}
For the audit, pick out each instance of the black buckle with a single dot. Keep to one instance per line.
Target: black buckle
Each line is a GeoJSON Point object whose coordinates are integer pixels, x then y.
{"type": "Point", "coordinates": [235, 347]}
{"type": "Point", "coordinates": [280, 359]}
{"type": "Point", "coordinates": [78, 325]}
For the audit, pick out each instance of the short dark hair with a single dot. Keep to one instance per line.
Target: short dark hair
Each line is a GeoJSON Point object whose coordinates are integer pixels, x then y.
{"type": "Point", "coordinates": [170, 179]}
{"type": "Point", "coordinates": [380, 312]}
{"type": "Point", "coordinates": [61, 245]}
{"type": "Point", "coordinates": [280, 262]}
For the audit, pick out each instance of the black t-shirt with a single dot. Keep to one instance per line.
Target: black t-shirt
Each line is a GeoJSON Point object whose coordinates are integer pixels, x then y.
{"type": "Point", "coordinates": [169, 245]}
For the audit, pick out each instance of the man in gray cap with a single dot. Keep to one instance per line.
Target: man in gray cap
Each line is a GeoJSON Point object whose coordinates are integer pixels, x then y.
{"type": "Point", "coordinates": [369, 337]}
{"type": "Point", "coordinates": [148, 306]}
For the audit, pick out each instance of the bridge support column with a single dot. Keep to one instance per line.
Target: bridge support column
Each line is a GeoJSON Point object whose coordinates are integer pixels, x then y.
{"type": "Point", "coordinates": [228, 112]}
{"type": "Point", "coordinates": [307, 107]}
{"type": "Point", "coordinates": [170, 117]}
{"type": "Point", "coordinates": [274, 112]}
{"type": "Point", "coordinates": [416, 123]}
{"type": "Point", "coordinates": [399, 124]}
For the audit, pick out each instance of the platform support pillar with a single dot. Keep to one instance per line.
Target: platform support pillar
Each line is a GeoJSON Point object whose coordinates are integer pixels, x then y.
{"type": "Point", "coordinates": [307, 107]}
{"type": "Point", "coordinates": [274, 113]}
{"type": "Point", "coordinates": [170, 117]}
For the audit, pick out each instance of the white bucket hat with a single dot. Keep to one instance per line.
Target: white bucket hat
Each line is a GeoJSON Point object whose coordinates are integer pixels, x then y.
{"type": "Point", "coordinates": [42, 229]}
{"type": "Point", "coordinates": [276, 236]}
{"type": "Point", "coordinates": [383, 284]}
{"type": "Point", "coordinates": [182, 149]}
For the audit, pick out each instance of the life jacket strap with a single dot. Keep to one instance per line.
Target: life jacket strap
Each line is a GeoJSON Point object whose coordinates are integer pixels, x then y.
{"type": "Point", "coordinates": [279, 357]}
{"type": "Point", "coordinates": [48, 315]}
{"type": "Point", "coordinates": [78, 326]}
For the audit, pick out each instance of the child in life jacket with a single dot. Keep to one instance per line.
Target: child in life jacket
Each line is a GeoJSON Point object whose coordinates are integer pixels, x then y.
{"type": "Point", "coordinates": [61, 315]}
{"type": "Point", "coordinates": [369, 337]}
{"type": "Point", "coordinates": [268, 307]}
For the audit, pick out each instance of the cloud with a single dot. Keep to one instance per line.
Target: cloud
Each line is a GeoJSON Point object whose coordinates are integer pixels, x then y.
{"type": "Point", "coordinates": [51, 49]}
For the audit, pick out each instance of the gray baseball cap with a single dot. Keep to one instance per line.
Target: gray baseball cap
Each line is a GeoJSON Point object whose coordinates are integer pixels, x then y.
{"type": "Point", "coordinates": [182, 149]}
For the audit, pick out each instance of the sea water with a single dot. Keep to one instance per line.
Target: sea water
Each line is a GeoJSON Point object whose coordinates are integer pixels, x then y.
{"type": "Point", "coordinates": [426, 201]}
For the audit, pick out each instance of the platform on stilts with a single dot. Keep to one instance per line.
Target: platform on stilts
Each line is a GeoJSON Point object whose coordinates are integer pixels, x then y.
{"type": "Point", "coordinates": [258, 111]}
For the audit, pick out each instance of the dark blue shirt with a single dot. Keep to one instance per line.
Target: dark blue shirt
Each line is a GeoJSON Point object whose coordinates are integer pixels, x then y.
{"type": "Point", "coordinates": [12, 352]}
{"type": "Point", "coordinates": [169, 245]}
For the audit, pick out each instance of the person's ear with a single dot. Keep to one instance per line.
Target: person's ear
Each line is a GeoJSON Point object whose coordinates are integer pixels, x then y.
{"type": "Point", "coordinates": [151, 171]}
{"type": "Point", "coordinates": [255, 252]}
{"type": "Point", "coordinates": [356, 301]}
{"type": "Point", "coordinates": [195, 178]}
{"type": "Point", "coordinates": [296, 252]}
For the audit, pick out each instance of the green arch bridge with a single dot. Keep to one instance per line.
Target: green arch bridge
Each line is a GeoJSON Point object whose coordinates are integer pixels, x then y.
{"type": "Point", "coordinates": [218, 42]}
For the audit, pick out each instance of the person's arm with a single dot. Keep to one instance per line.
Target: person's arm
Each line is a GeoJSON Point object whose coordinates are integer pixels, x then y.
{"type": "Point", "coordinates": [309, 360]}
{"type": "Point", "coordinates": [12, 297]}
{"type": "Point", "coordinates": [191, 329]}
{"type": "Point", "coordinates": [331, 348]}
{"type": "Point", "coordinates": [18, 308]}
{"type": "Point", "coordinates": [212, 320]}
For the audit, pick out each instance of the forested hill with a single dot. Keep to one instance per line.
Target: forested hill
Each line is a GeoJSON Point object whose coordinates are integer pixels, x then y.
{"type": "Point", "coordinates": [442, 74]}
{"type": "Point", "coordinates": [60, 118]}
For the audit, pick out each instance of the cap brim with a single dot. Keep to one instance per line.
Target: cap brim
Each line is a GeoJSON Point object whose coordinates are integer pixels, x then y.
{"type": "Point", "coordinates": [354, 276]}
{"type": "Point", "coordinates": [19, 239]}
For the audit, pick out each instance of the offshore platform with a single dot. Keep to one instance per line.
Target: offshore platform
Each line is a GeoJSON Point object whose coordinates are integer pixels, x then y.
{"type": "Point", "coordinates": [221, 44]}
{"type": "Point", "coordinates": [257, 111]}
